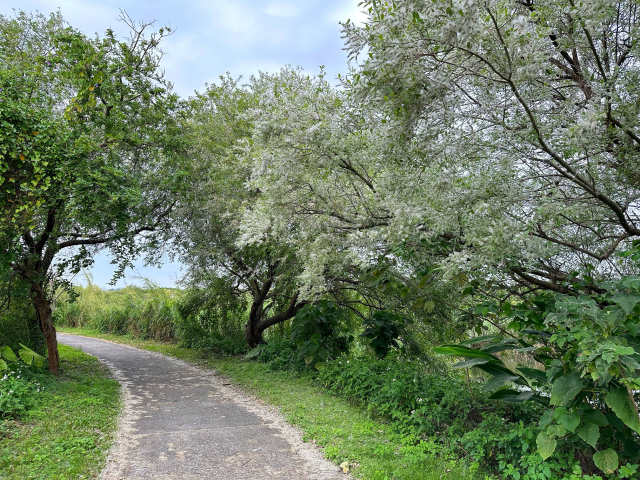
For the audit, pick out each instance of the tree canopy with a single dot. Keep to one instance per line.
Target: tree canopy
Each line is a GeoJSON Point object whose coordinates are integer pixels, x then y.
{"type": "Point", "coordinates": [90, 150]}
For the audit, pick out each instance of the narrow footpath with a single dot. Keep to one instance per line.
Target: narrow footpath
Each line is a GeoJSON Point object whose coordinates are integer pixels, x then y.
{"type": "Point", "coordinates": [183, 422]}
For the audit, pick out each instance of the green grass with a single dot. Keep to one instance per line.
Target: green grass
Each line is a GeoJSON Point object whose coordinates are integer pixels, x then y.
{"type": "Point", "coordinates": [370, 446]}
{"type": "Point", "coordinates": [70, 429]}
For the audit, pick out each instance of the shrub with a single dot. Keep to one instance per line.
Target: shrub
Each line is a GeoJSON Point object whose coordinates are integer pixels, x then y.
{"type": "Point", "coordinates": [212, 318]}
{"type": "Point", "coordinates": [19, 383]}
{"type": "Point", "coordinates": [17, 393]}
{"type": "Point", "coordinates": [18, 322]}
{"type": "Point", "coordinates": [588, 346]}
{"type": "Point", "coordinates": [382, 331]}
{"type": "Point", "coordinates": [423, 399]}
{"type": "Point", "coordinates": [319, 332]}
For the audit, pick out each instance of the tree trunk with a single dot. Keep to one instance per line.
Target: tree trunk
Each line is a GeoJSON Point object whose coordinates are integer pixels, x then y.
{"type": "Point", "coordinates": [257, 324]}
{"type": "Point", "coordinates": [252, 330]}
{"type": "Point", "coordinates": [44, 313]}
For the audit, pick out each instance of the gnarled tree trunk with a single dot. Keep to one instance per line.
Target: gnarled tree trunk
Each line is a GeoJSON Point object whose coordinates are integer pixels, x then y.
{"type": "Point", "coordinates": [257, 323]}
{"type": "Point", "coordinates": [42, 306]}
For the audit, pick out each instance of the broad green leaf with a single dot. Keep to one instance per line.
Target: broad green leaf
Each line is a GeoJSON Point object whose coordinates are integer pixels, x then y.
{"type": "Point", "coordinates": [546, 419]}
{"type": "Point", "coordinates": [626, 302]}
{"type": "Point", "coordinates": [513, 396]}
{"type": "Point", "coordinates": [590, 433]}
{"type": "Point", "coordinates": [498, 381]}
{"type": "Point", "coordinates": [556, 430]}
{"type": "Point", "coordinates": [596, 417]}
{"type": "Point", "coordinates": [7, 354]}
{"type": "Point", "coordinates": [471, 363]}
{"type": "Point", "coordinates": [565, 389]}
{"type": "Point", "coordinates": [32, 358]}
{"type": "Point", "coordinates": [620, 402]}
{"type": "Point", "coordinates": [500, 347]}
{"type": "Point", "coordinates": [460, 351]}
{"type": "Point", "coordinates": [546, 445]}
{"type": "Point", "coordinates": [606, 460]}
{"type": "Point", "coordinates": [533, 374]}
{"type": "Point", "coordinates": [484, 338]}
{"type": "Point", "coordinates": [569, 420]}
{"type": "Point", "coordinates": [3, 365]}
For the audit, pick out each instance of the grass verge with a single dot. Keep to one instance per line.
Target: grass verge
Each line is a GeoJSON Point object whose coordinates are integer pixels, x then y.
{"type": "Point", "coordinates": [68, 432]}
{"type": "Point", "coordinates": [370, 448]}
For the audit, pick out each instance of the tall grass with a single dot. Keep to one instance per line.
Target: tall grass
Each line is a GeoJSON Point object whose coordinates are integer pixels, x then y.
{"type": "Point", "coordinates": [192, 318]}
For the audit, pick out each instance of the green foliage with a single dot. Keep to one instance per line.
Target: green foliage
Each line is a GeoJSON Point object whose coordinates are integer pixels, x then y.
{"type": "Point", "coordinates": [318, 333]}
{"type": "Point", "coordinates": [382, 331]}
{"type": "Point", "coordinates": [141, 312]}
{"type": "Point", "coordinates": [589, 348]}
{"type": "Point", "coordinates": [67, 428]}
{"type": "Point", "coordinates": [212, 318]}
{"type": "Point", "coordinates": [18, 323]}
{"type": "Point", "coordinates": [19, 389]}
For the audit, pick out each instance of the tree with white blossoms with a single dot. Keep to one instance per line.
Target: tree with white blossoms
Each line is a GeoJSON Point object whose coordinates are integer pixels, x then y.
{"type": "Point", "coordinates": [522, 129]}
{"type": "Point", "coordinates": [207, 218]}
{"type": "Point", "coordinates": [320, 162]}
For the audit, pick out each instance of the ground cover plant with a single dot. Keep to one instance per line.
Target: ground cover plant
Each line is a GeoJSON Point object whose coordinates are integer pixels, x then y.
{"type": "Point", "coordinates": [56, 427]}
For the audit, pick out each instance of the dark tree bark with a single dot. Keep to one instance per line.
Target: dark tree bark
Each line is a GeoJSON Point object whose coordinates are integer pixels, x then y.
{"type": "Point", "coordinates": [42, 306]}
{"type": "Point", "coordinates": [258, 323]}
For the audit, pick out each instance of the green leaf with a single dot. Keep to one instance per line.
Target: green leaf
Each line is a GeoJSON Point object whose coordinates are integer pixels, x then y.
{"type": "Point", "coordinates": [606, 460]}
{"type": "Point", "coordinates": [590, 433]}
{"type": "Point", "coordinates": [498, 381]}
{"type": "Point", "coordinates": [460, 351]}
{"type": "Point", "coordinates": [7, 354]}
{"type": "Point", "coordinates": [546, 445]}
{"type": "Point", "coordinates": [3, 365]}
{"type": "Point", "coordinates": [626, 302]}
{"type": "Point", "coordinates": [470, 363]}
{"type": "Point", "coordinates": [31, 358]}
{"type": "Point", "coordinates": [500, 347]}
{"type": "Point", "coordinates": [565, 389]}
{"type": "Point", "coordinates": [533, 374]}
{"type": "Point", "coordinates": [569, 420]}
{"type": "Point", "coordinates": [513, 396]}
{"type": "Point", "coordinates": [596, 417]}
{"type": "Point", "coordinates": [619, 401]}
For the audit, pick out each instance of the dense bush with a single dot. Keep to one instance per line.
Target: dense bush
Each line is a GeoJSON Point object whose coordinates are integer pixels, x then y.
{"type": "Point", "coordinates": [422, 398]}
{"type": "Point", "coordinates": [20, 376]}
{"type": "Point", "coordinates": [18, 322]}
{"type": "Point", "coordinates": [213, 319]}
{"type": "Point", "coordinates": [318, 333]}
{"type": "Point", "coordinates": [382, 331]}
{"type": "Point", "coordinates": [19, 388]}
{"type": "Point", "coordinates": [587, 345]}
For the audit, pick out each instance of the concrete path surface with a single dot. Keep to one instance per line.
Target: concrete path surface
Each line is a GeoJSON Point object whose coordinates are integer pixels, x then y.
{"type": "Point", "coordinates": [183, 422]}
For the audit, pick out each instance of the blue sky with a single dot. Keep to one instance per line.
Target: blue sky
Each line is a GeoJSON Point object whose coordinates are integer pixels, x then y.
{"type": "Point", "coordinates": [210, 38]}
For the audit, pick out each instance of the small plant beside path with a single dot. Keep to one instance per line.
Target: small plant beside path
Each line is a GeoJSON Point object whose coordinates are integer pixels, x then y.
{"type": "Point", "coordinates": [61, 428]}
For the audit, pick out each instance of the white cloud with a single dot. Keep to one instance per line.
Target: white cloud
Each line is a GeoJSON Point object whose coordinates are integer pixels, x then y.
{"type": "Point", "coordinates": [90, 17]}
{"type": "Point", "coordinates": [352, 11]}
{"type": "Point", "coordinates": [282, 9]}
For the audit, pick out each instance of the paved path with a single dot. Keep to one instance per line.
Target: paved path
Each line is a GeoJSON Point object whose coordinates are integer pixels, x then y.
{"type": "Point", "coordinates": [182, 422]}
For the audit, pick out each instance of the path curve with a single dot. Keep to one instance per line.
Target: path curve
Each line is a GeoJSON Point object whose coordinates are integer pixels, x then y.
{"type": "Point", "coordinates": [183, 422]}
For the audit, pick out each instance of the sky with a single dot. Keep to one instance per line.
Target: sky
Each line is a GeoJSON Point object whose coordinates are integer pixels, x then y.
{"type": "Point", "coordinates": [210, 38]}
